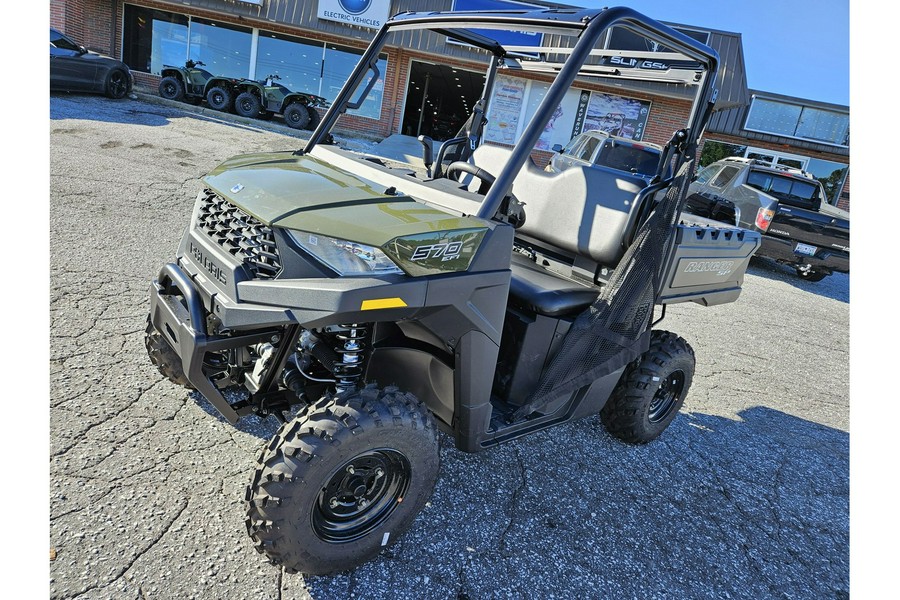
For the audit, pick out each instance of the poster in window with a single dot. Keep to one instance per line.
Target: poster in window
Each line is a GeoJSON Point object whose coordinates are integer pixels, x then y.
{"type": "Point", "coordinates": [505, 108]}
{"type": "Point", "coordinates": [616, 115]}
{"type": "Point", "coordinates": [559, 128]}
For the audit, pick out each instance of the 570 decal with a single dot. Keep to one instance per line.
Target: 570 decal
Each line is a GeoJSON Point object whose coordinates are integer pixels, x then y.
{"type": "Point", "coordinates": [448, 251]}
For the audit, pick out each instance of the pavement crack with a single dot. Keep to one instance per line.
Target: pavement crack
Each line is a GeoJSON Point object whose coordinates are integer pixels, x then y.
{"type": "Point", "coordinates": [513, 502]}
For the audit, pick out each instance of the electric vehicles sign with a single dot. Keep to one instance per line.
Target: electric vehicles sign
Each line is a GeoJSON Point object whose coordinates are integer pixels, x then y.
{"type": "Point", "coordinates": [362, 13]}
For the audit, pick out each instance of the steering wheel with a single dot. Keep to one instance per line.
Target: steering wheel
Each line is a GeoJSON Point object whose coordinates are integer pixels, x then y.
{"type": "Point", "coordinates": [511, 210]}
{"type": "Point", "coordinates": [460, 166]}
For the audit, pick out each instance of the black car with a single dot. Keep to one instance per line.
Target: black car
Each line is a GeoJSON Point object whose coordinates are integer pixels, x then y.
{"type": "Point", "coordinates": [74, 69]}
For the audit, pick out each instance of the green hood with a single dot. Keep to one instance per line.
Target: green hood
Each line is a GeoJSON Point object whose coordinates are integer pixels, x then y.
{"type": "Point", "coordinates": [304, 193]}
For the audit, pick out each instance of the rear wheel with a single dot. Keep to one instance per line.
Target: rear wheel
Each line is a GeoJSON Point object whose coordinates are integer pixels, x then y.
{"type": "Point", "coordinates": [117, 84]}
{"type": "Point", "coordinates": [342, 480]}
{"type": "Point", "coordinates": [296, 115]}
{"type": "Point", "coordinates": [247, 105]}
{"type": "Point", "coordinates": [219, 98]}
{"type": "Point", "coordinates": [171, 88]}
{"type": "Point", "coordinates": [651, 391]}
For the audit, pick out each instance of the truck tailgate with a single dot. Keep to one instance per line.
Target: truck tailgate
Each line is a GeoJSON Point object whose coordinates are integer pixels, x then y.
{"type": "Point", "coordinates": [813, 228]}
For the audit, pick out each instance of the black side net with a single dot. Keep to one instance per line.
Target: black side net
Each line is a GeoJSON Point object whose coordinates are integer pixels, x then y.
{"type": "Point", "coordinates": [615, 329]}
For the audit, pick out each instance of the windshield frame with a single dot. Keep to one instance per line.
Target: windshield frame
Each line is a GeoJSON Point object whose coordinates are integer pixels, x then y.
{"type": "Point", "coordinates": [588, 26]}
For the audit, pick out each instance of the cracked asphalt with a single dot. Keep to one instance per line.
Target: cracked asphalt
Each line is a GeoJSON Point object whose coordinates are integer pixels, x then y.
{"type": "Point", "coordinates": [746, 495]}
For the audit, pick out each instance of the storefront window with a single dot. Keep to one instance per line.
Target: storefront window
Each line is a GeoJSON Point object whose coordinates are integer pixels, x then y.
{"type": "Point", "coordinates": [298, 63]}
{"type": "Point", "coordinates": [154, 38]}
{"type": "Point", "coordinates": [224, 49]}
{"type": "Point", "coordinates": [339, 63]}
{"type": "Point", "coordinates": [832, 176]}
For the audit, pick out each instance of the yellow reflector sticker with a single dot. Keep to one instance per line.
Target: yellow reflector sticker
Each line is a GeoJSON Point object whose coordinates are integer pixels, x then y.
{"type": "Point", "coordinates": [383, 303]}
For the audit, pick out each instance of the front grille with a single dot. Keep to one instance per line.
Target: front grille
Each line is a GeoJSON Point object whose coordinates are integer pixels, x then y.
{"type": "Point", "coordinates": [241, 235]}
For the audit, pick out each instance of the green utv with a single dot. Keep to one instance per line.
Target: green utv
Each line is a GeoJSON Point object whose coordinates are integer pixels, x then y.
{"type": "Point", "coordinates": [263, 99]}
{"type": "Point", "coordinates": [368, 305]}
{"type": "Point", "coordinates": [192, 84]}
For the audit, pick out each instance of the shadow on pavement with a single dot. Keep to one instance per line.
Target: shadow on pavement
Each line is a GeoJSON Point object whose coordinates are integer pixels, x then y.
{"type": "Point", "coordinates": [253, 425]}
{"type": "Point", "coordinates": [836, 286]}
{"type": "Point", "coordinates": [715, 508]}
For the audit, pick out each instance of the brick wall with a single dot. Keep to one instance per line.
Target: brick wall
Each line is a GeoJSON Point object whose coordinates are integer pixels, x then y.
{"type": "Point", "coordinates": [88, 22]}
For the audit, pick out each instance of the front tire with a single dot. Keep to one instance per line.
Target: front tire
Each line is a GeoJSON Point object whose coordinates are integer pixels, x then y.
{"type": "Point", "coordinates": [171, 88]}
{"type": "Point", "coordinates": [651, 391]}
{"type": "Point", "coordinates": [116, 84]}
{"type": "Point", "coordinates": [343, 480]}
{"type": "Point", "coordinates": [296, 115]}
{"type": "Point", "coordinates": [220, 98]}
{"type": "Point", "coordinates": [164, 357]}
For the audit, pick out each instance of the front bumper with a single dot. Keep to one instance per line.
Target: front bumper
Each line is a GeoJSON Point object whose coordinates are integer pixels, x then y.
{"type": "Point", "coordinates": [178, 313]}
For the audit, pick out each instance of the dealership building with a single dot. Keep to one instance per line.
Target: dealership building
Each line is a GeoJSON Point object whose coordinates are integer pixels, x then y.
{"type": "Point", "coordinates": [430, 82]}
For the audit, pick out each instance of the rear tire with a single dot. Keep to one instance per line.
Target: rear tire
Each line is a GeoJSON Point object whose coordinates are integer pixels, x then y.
{"type": "Point", "coordinates": [343, 480]}
{"type": "Point", "coordinates": [296, 115]}
{"type": "Point", "coordinates": [116, 84]}
{"type": "Point", "coordinates": [651, 391]}
{"type": "Point", "coordinates": [220, 98]}
{"type": "Point", "coordinates": [164, 357]}
{"type": "Point", "coordinates": [247, 105]}
{"type": "Point", "coordinates": [171, 88]}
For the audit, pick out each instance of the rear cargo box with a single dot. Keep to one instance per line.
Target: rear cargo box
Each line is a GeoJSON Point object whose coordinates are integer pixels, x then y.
{"type": "Point", "coordinates": [708, 265]}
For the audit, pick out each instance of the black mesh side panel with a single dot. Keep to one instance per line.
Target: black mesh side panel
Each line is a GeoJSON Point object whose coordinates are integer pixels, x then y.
{"type": "Point", "coordinates": [614, 330]}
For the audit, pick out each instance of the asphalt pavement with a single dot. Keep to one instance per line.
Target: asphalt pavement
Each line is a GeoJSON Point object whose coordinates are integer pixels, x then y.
{"type": "Point", "coordinates": [746, 495]}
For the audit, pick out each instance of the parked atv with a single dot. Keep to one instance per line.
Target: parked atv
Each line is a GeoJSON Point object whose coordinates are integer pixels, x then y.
{"type": "Point", "coordinates": [262, 99]}
{"type": "Point", "coordinates": [367, 309]}
{"type": "Point", "coordinates": [193, 84]}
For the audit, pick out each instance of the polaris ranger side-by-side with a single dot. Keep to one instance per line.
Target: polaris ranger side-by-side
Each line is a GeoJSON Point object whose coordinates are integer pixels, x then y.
{"type": "Point", "coordinates": [378, 304]}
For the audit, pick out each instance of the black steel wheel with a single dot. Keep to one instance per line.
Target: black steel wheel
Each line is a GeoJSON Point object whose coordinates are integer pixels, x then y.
{"type": "Point", "coordinates": [116, 84]}
{"type": "Point", "coordinates": [314, 118]}
{"type": "Point", "coordinates": [651, 390]}
{"type": "Point", "coordinates": [164, 357]}
{"type": "Point", "coordinates": [361, 495]}
{"type": "Point", "coordinates": [343, 480]}
{"type": "Point", "coordinates": [220, 98]}
{"type": "Point", "coordinates": [247, 104]}
{"type": "Point", "coordinates": [171, 88]}
{"type": "Point", "coordinates": [296, 115]}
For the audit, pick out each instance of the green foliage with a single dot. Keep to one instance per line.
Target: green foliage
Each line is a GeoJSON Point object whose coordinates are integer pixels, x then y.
{"type": "Point", "coordinates": [713, 151]}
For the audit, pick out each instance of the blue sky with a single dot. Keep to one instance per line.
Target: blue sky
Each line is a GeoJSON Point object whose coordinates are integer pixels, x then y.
{"type": "Point", "coordinates": [793, 47]}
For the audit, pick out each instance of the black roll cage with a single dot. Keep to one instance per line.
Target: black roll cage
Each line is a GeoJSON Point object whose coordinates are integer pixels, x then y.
{"type": "Point", "coordinates": [588, 25]}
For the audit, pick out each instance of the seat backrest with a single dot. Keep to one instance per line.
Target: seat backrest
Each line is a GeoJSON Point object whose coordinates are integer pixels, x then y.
{"type": "Point", "coordinates": [584, 210]}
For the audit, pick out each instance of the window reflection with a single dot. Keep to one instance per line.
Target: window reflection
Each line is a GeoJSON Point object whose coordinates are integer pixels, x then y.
{"type": "Point", "coordinates": [339, 64]}
{"type": "Point", "coordinates": [298, 63]}
{"type": "Point", "coordinates": [224, 49]}
{"type": "Point", "coordinates": [154, 38]}
{"type": "Point", "coordinates": [794, 120]}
